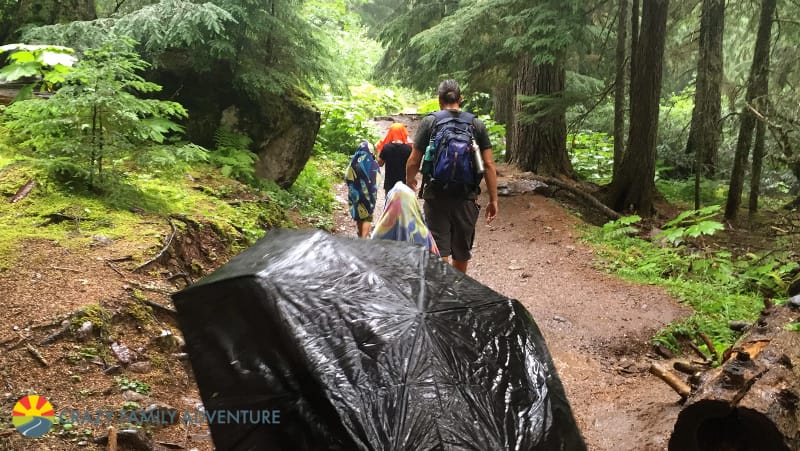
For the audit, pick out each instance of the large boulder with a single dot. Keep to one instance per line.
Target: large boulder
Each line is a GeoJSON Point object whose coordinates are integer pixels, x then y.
{"type": "Point", "coordinates": [283, 128]}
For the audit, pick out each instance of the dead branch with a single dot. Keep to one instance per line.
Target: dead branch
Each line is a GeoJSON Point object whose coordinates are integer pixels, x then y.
{"type": "Point", "coordinates": [697, 351]}
{"type": "Point", "coordinates": [57, 334]}
{"type": "Point", "coordinates": [590, 199]}
{"type": "Point", "coordinates": [152, 288]}
{"type": "Point", "coordinates": [687, 368]}
{"type": "Point", "coordinates": [37, 355]}
{"type": "Point", "coordinates": [676, 384]}
{"type": "Point", "coordinates": [61, 268]}
{"type": "Point", "coordinates": [116, 270]}
{"type": "Point", "coordinates": [161, 307]}
{"type": "Point", "coordinates": [163, 249]}
{"type": "Point", "coordinates": [23, 191]}
{"type": "Point", "coordinates": [710, 345]}
{"type": "Point", "coordinates": [112, 438]}
{"type": "Point", "coordinates": [125, 258]}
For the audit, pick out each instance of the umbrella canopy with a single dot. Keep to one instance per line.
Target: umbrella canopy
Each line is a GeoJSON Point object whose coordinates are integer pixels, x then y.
{"type": "Point", "coordinates": [368, 345]}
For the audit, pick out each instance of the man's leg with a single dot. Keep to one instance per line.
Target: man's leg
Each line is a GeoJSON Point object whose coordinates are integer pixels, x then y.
{"type": "Point", "coordinates": [460, 265]}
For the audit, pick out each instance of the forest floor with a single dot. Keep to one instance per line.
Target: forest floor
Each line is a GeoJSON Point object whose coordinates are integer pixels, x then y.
{"type": "Point", "coordinates": [597, 329]}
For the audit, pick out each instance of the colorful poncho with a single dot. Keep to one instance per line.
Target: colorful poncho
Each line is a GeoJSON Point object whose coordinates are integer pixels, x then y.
{"type": "Point", "coordinates": [402, 220]}
{"type": "Point", "coordinates": [362, 183]}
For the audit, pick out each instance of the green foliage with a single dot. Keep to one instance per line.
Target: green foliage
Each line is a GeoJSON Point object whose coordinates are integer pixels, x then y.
{"type": "Point", "coordinates": [428, 106]}
{"type": "Point", "coordinates": [95, 119]}
{"type": "Point", "coordinates": [233, 156]}
{"type": "Point", "coordinates": [47, 63]}
{"type": "Point", "coordinates": [681, 192]}
{"type": "Point", "coordinates": [497, 136]}
{"type": "Point", "coordinates": [126, 384]}
{"type": "Point", "coordinates": [692, 223]}
{"type": "Point", "coordinates": [592, 155]}
{"type": "Point", "coordinates": [620, 227]}
{"type": "Point", "coordinates": [719, 286]}
{"type": "Point", "coordinates": [345, 120]}
{"type": "Point", "coordinates": [673, 131]}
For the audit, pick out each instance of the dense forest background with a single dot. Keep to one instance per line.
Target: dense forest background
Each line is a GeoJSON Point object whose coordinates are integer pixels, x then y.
{"type": "Point", "coordinates": [642, 105]}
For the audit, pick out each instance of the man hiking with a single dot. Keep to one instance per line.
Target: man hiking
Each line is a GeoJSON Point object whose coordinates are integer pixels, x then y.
{"type": "Point", "coordinates": [452, 170]}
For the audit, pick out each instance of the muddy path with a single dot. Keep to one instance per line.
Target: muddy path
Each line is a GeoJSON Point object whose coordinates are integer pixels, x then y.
{"type": "Point", "coordinates": [597, 326]}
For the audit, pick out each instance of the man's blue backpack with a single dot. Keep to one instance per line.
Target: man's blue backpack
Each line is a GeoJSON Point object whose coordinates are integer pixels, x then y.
{"type": "Point", "coordinates": [449, 164]}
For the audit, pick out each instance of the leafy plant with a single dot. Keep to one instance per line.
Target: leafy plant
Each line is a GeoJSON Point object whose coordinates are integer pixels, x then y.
{"type": "Point", "coordinates": [47, 64]}
{"type": "Point", "coordinates": [95, 118]}
{"type": "Point", "coordinates": [344, 125]}
{"type": "Point", "coordinates": [692, 223]}
{"type": "Point", "coordinates": [233, 156]}
{"type": "Point", "coordinates": [126, 384]}
{"type": "Point", "coordinates": [620, 227]}
{"type": "Point", "coordinates": [592, 155]}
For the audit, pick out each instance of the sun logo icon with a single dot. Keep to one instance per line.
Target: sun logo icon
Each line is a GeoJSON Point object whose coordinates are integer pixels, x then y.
{"type": "Point", "coordinates": [33, 416]}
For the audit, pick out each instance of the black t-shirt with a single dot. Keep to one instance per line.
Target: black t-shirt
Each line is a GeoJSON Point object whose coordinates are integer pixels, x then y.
{"type": "Point", "coordinates": [395, 155]}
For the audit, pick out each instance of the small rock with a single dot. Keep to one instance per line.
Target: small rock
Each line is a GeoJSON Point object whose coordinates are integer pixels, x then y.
{"type": "Point", "coordinates": [560, 319]}
{"type": "Point", "coordinates": [162, 411]}
{"type": "Point", "coordinates": [15, 327]}
{"type": "Point", "coordinates": [122, 353]}
{"type": "Point", "coordinates": [100, 240]}
{"type": "Point", "coordinates": [83, 443]}
{"type": "Point", "coordinates": [794, 301]}
{"type": "Point", "coordinates": [130, 395]}
{"type": "Point", "coordinates": [141, 367]}
{"type": "Point", "coordinates": [570, 249]}
{"type": "Point", "coordinates": [168, 341]}
{"type": "Point", "coordinates": [525, 275]}
{"type": "Point", "coordinates": [514, 267]}
{"type": "Point", "coordinates": [85, 331]}
{"type": "Point", "coordinates": [181, 356]}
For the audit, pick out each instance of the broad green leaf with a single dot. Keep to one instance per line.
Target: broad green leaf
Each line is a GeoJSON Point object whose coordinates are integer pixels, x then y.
{"type": "Point", "coordinates": [15, 71]}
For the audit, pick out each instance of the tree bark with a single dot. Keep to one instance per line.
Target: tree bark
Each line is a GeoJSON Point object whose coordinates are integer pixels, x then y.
{"type": "Point", "coordinates": [503, 103]}
{"type": "Point", "coordinates": [755, 172]}
{"type": "Point", "coordinates": [749, 402]}
{"type": "Point", "coordinates": [757, 88]}
{"type": "Point", "coordinates": [540, 141]}
{"type": "Point", "coordinates": [634, 188]}
{"type": "Point", "coordinates": [634, 44]}
{"type": "Point", "coordinates": [705, 131]}
{"type": "Point", "coordinates": [619, 87]}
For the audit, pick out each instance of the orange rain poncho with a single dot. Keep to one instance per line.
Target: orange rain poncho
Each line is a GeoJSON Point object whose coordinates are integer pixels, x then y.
{"type": "Point", "coordinates": [397, 132]}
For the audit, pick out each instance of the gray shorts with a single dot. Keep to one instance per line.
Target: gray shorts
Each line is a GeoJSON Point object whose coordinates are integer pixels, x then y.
{"type": "Point", "coordinates": [452, 223]}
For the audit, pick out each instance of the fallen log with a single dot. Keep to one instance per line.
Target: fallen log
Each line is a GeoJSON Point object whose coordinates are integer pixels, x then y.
{"type": "Point", "coordinates": [749, 402]}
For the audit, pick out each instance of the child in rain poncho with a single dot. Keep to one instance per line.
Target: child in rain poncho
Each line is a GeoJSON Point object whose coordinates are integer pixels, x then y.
{"type": "Point", "coordinates": [402, 220]}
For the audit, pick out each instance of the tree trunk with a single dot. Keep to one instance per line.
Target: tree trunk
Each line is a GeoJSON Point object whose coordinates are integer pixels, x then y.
{"type": "Point", "coordinates": [705, 131]}
{"type": "Point", "coordinates": [755, 173]}
{"type": "Point", "coordinates": [503, 104]}
{"type": "Point", "coordinates": [540, 140]}
{"type": "Point", "coordinates": [757, 89]}
{"type": "Point", "coordinates": [634, 44]}
{"type": "Point", "coordinates": [635, 187]}
{"type": "Point", "coordinates": [749, 402]}
{"type": "Point", "coordinates": [619, 87]}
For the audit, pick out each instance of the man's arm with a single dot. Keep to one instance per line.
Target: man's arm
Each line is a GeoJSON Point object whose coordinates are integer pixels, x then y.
{"type": "Point", "coordinates": [490, 175]}
{"type": "Point", "coordinates": [412, 167]}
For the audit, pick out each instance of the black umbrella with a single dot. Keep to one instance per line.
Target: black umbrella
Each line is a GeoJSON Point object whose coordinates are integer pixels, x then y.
{"type": "Point", "coordinates": [351, 344]}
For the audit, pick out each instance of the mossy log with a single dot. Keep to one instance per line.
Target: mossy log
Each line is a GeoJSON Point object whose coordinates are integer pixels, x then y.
{"type": "Point", "coordinates": [749, 402]}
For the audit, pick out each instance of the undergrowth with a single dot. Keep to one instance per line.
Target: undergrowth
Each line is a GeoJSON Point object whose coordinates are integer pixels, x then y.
{"type": "Point", "coordinates": [719, 286]}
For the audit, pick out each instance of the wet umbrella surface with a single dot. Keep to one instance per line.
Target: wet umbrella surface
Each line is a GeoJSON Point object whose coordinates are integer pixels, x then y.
{"type": "Point", "coordinates": [352, 344]}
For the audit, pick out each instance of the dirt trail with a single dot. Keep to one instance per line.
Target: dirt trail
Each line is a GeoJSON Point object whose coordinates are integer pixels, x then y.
{"type": "Point", "coordinates": [597, 326]}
